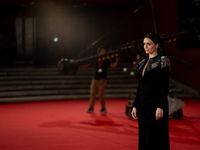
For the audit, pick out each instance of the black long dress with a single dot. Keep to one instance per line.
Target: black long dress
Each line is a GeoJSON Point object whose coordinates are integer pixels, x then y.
{"type": "Point", "coordinates": [152, 94]}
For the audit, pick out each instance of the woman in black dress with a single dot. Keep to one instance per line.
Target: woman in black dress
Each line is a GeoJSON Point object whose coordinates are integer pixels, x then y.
{"type": "Point", "coordinates": [151, 102]}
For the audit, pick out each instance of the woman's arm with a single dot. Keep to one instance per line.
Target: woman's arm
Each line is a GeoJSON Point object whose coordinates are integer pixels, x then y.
{"type": "Point", "coordinates": [135, 104]}
{"type": "Point", "coordinates": [163, 82]}
{"type": "Point", "coordinates": [136, 101]}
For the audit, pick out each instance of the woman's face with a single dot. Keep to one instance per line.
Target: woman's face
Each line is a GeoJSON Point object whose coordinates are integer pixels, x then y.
{"type": "Point", "coordinates": [149, 46]}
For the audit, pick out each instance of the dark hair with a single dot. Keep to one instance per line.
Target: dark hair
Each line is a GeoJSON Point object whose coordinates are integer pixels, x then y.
{"type": "Point", "coordinates": [101, 47]}
{"type": "Point", "coordinates": [156, 39]}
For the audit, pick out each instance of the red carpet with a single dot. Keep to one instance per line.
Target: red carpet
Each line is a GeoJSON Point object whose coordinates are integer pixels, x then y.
{"type": "Point", "coordinates": [64, 125]}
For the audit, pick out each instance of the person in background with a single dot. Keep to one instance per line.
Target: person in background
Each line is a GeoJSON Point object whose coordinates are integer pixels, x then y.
{"type": "Point", "coordinates": [151, 105]}
{"type": "Point", "coordinates": [98, 83]}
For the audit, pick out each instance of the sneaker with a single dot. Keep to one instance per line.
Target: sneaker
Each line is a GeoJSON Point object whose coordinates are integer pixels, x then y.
{"type": "Point", "coordinates": [102, 111]}
{"type": "Point", "coordinates": [90, 110]}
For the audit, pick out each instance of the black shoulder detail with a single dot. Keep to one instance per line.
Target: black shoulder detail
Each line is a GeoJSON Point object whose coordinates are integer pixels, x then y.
{"type": "Point", "coordinates": [165, 62]}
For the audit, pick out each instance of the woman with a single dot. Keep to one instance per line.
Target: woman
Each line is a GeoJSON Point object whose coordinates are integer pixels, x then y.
{"type": "Point", "coordinates": [151, 102]}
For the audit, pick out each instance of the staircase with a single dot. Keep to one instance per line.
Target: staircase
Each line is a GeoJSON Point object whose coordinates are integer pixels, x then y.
{"type": "Point", "coordinates": [28, 84]}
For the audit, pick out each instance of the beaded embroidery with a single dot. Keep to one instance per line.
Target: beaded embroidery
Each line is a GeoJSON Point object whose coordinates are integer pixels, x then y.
{"type": "Point", "coordinates": [165, 62]}
{"type": "Point", "coordinates": [154, 65]}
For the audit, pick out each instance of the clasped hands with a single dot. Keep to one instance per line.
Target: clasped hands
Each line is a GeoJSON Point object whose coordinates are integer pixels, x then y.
{"type": "Point", "coordinates": [159, 113]}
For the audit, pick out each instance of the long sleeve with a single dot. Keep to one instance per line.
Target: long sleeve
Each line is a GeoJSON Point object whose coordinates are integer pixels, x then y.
{"type": "Point", "coordinates": [163, 82]}
{"type": "Point", "coordinates": [136, 102]}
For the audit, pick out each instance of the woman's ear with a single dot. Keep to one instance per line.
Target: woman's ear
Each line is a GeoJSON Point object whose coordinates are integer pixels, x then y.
{"type": "Point", "coordinates": [157, 45]}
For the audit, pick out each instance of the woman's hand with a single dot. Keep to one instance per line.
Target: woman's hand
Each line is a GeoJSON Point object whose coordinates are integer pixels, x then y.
{"type": "Point", "coordinates": [133, 113]}
{"type": "Point", "coordinates": [159, 113]}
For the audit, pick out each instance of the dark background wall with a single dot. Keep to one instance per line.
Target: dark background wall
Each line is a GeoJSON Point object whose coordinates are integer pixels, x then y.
{"type": "Point", "coordinates": [78, 28]}
{"type": "Point", "coordinates": [112, 23]}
